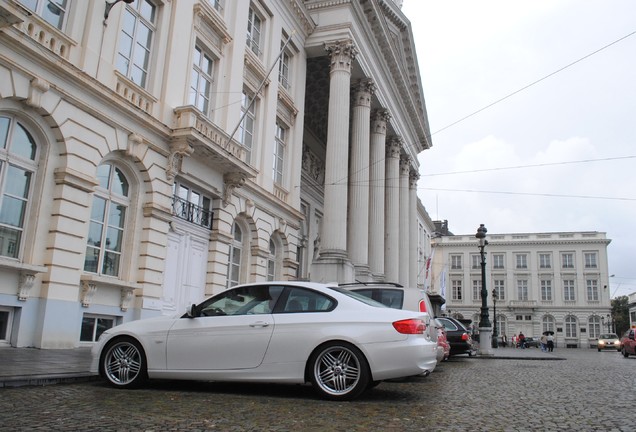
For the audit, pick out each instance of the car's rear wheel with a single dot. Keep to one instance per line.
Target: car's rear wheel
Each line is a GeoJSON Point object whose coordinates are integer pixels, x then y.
{"type": "Point", "coordinates": [599, 350]}
{"type": "Point", "coordinates": [123, 363]}
{"type": "Point", "coordinates": [339, 371]}
{"type": "Point", "coordinates": [625, 353]}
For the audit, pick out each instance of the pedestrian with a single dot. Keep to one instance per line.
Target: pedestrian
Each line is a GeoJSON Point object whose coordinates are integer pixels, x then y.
{"type": "Point", "coordinates": [514, 340]}
{"type": "Point", "coordinates": [544, 343]}
{"type": "Point", "coordinates": [522, 340]}
{"type": "Point", "coordinates": [550, 342]}
{"type": "Point", "coordinates": [504, 340]}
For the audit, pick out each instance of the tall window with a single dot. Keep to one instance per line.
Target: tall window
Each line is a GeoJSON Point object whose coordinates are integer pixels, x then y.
{"type": "Point", "coordinates": [235, 257]}
{"type": "Point", "coordinates": [548, 324]}
{"type": "Point", "coordinates": [456, 262]}
{"type": "Point", "coordinates": [254, 25]}
{"type": "Point", "coordinates": [500, 290]}
{"type": "Point", "coordinates": [52, 11]}
{"type": "Point", "coordinates": [191, 205]}
{"type": "Point", "coordinates": [522, 261]}
{"type": "Point", "coordinates": [18, 153]}
{"type": "Point", "coordinates": [590, 260]}
{"type": "Point", "coordinates": [498, 261]}
{"type": "Point", "coordinates": [107, 223]}
{"type": "Point", "coordinates": [475, 260]}
{"type": "Point", "coordinates": [271, 261]}
{"type": "Point", "coordinates": [570, 326]}
{"type": "Point", "coordinates": [567, 260]}
{"type": "Point", "coordinates": [246, 129]}
{"type": "Point", "coordinates": [201, 80]}
{"type": "Point", "coordinates": [283, 68]}
{"type": "Point", "coordinates": [217, 4]}
{"type": "Point", "coordinates": [592, 289]}
{"type": "Point", "coordinates": [456, 289]}
{"type": "Point", "coordinates": [546, 289]}
{"type": "Point", "coordinates": [545, 261]}
{"type": "Point", "coordinates": [279, 153]}
{"type": "Point", "coordinates": [594, 326]}
{"type": "Point", "coordinates": [135, 41]}
{"type": "Point", "coordinates": [522, 289]}
{"type": "Point", "coordinates": [476, 289]}
{"type": "Point", "coordinates": [568, 290]}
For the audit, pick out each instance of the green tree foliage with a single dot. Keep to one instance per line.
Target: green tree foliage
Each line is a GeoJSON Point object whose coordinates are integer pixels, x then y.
{"type": "Point", "coordinates": [620, 314]}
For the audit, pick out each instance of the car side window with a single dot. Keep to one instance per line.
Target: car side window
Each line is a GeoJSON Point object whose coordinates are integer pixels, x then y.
{"type": "Point", "coordinates": [449, 325]}
{"type": "Point", "coordinates": [242, 301]}
{"type": "Point", "coordinates": [304, 300]}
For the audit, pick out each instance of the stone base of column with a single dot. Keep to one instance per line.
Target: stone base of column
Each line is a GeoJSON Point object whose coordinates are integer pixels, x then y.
{"type": "Point", "coordinates": [332, 269]}
{"type": "Point", "coordinates": [485, 342]}
{"type": "Point", "coordinates": [363, 274]}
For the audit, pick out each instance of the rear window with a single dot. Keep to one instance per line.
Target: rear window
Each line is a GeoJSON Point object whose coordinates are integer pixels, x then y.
{"type": "Point", "coordinates": [358, 296]}
{"type": "Point", "coordinates": [392, 298]}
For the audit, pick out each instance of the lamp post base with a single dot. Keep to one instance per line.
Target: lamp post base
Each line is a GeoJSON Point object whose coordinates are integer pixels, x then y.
{"type": "Point", "coordinates": [485, 342]}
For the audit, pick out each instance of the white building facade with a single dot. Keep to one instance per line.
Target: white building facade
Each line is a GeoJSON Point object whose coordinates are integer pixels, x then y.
{"type": "Point", "coordinates": [543, 282]}
{"type": "Point", "coordinates": [155, 152]}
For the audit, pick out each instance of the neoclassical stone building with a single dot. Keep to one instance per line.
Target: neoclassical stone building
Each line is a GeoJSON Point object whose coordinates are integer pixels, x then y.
{"type": "Point", "coordinates": [544, 282]}
{"type": "Point", "coordinates": [154, 152]}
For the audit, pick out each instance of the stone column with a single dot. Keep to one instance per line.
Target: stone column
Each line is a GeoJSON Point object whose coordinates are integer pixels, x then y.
{"type": "Point", "coordinates": [392, 211]}
{"type": "Point", "coordinates": [377, 169]}
{"type": "Point", "coordinates": [333, 264]}
{"type": "Point", "coordinates": [405, 204]}
{"type": "Point", "coordinates": [414, 264]}
{"type": "Point", "coordinates": [358, 229]}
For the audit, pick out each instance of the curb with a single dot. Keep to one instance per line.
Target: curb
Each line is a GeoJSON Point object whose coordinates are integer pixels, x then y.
{"type": "Point", "coordinates": [48, 379]}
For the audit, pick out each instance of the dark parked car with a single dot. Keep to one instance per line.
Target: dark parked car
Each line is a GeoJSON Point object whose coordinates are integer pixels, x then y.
{"type": "Point", "coordinates": [458, 337]}
{"type": "Point", "coordinates": [532, 342]}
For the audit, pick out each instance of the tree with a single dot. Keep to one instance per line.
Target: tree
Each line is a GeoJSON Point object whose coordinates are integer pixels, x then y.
{"type": "Point", "coordinates": [620, 314]}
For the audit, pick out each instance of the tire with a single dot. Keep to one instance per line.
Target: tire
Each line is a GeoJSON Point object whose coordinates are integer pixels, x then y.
{"type": "Point", "coordinates": [625, 353]}
{"type": "Point", "coordinates": [599, 350]}
{"type": "Point", "coordinates": [339, 371]}
{"type": "Point", "coordinates": [123, 363]}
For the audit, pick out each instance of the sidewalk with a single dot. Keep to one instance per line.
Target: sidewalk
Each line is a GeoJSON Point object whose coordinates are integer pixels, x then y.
{"type": "Point", "coordinates": [35, 367]}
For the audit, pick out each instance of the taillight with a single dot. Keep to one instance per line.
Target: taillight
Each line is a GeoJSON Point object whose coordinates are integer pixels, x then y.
{"type": "Point", "coordinates": [422, 306]}
{"type": "Point", "coordinates": [465, 336]}
{"type": "Point", "coordinates": [410, 326]}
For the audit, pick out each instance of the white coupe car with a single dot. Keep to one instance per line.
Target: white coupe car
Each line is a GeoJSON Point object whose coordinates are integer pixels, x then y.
{"type": "Point", "coordinates": [279, 332]}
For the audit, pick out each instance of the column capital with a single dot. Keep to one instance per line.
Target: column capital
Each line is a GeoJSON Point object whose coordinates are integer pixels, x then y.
{"type": "Point", "coordinates": [414, 176]}
{"type": "Point", "coordinates": [362, 92]}
{"type": "Point", "coordinates": [393, 147]}
{"type": "Point", "coordinates": [342, 54]}
{"type": "Point", "coordinates": [379, 119]}
{"type": "Point", "coordinates": [405, 165]}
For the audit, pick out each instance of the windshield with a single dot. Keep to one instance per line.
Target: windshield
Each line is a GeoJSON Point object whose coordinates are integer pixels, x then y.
{"type": "Point", "coordinates": [359, 297]}
{"type": "Point", "coordinates": [608, 336]}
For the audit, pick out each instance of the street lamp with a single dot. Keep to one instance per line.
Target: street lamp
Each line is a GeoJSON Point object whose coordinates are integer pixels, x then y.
{"type": "Point", "coordinates": [608, 323]}
{"type": "Point", "coordinates": [495, 342]}
{"type": "Point", "coordinates": [485, 328]}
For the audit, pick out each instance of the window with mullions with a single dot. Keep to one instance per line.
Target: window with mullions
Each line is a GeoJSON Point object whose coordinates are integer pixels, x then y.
{"type": "Point", "coordinates": [201, 80]}
{"type": "Point", "coordinates": [456, 262]}
{"type": "Point", "coordinates": [283, 68]}
{"type": "Point", "coordinates": [594, 327]}
{"type": "Point", "coordinates": [522, 289]}
{"type": "Point", "coordinates": [522, 261]}
{"type": "Point", "coordinates": [500, 290]}
{"type": "Point", "coordinates": [254, 28]}
{"type": "Point", "coordinates": [106, 228]}
{"type": "Point", "coordinates": [567, 260]}
{"type": "Point", "coordinates": [271, 261]}
{"type": "Point", "coordinates": [135, 41]}
{"type": "Point", "coordinates": [18, 152]}
{"type": "Point", "coordinates": [93, 326]}
{"type": "Point", "coordinates": [279, 153]}
{"type": "Point", "coordinates": [235, 257]}
{"type": "Point", "coordinates": [592, 290]}
{"type": "Point", "coordinates": [568, 290]}
{"type": "Point", "coordinates": [497, 261]}
{"type": "Point", "coordinates": [246, 128]}
{"type": "Point", "coordinates": [476, 289]}
{"type": "Point", "coordinates": [546, 289]}
{"type": "Point", "coordinates": [590, 260]}
{"type": "Point", "coordinates": [570, 326]}
{"type": "Point", "coordinates": [52, 11]}
{"type": "Point", "coordinates": [191, 205]}
{"type": "Point", "coordinates": [456, 289]}
{"type": "Point", "coordinates": [545, 261]}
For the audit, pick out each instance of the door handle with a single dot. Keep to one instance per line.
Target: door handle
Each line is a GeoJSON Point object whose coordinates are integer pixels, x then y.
{"type": "Point", "coordinates": [260, 324]}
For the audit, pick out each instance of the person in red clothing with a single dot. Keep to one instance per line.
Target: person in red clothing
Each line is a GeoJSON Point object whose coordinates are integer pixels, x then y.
{"type": "Point", "coordinates": [522, 340]}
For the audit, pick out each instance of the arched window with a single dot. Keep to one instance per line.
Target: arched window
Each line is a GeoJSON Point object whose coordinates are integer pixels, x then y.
{"type": "Point", "coordinates": [235, 257]}
{"type": "Point", "coordinates": [18, 152]}
{"type": "Point", "coordinates": [501, 325]}
{"type": "Point", "coordinates": [570, 326]}
{"type": "Point", "coordinates": [107, 223]}
{"type": "Point", "coordinates": [547, 323]}
{"type": "Point", "coordinates": [594, 326]}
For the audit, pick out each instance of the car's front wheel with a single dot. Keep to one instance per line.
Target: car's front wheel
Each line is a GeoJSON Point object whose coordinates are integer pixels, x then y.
{"type": "Point", "coordinates": [339, 371]}
{"type": "Point", "coordinates": [625, 353]}
{"type": "Point", "coordinates": [123, 363]}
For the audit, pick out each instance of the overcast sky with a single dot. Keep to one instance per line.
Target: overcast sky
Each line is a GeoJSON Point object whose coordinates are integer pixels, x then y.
{"type": "Point", "coordinates": [533, 85]}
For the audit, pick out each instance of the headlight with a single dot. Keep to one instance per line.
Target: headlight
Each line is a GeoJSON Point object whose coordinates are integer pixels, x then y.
{"type": "Point", "coordinates": [601, 343]}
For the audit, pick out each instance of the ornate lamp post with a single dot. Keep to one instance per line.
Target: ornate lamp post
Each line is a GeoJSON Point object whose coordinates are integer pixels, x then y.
{"type": "Point", "coordinates": [608, 323]}
{"type": "Point", "coordinates": [485, 328]}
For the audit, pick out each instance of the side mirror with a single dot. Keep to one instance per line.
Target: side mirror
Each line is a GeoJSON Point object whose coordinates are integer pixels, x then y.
{"type": "Point", "coordinates": [192, 311]}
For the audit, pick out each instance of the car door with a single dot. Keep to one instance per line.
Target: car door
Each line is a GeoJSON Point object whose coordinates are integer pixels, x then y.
{"type": "Point", "coordinates": [231, 331]}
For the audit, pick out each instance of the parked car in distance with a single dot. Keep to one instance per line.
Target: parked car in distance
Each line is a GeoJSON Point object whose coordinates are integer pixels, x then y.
{"type": "Point", "coordinates": [276, 332]}
{"type": "Point", "coordinates": [458, 337]}
{"type": "Point", "coordinates": [608, 341]}
{"type": "Point", "coordinates": [397, 296]}
{"type": "Point", "coordinates": [628, 343]}
{"type": "Point", "coordinates": [442, 340]}
{"type": "Point", "coordinates": [532, 342]}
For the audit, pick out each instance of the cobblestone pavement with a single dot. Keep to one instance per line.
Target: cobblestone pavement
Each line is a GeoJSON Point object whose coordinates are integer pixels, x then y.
{"type": "Point", "coordinates": [589, 391]}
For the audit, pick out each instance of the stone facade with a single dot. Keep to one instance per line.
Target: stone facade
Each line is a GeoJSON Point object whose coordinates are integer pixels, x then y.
{"type": "Point", "coordinates": [153, 155]}
{"type": "Point", "coordinates": [544, 282]}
